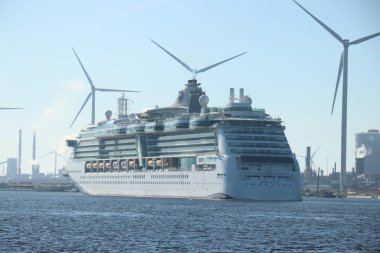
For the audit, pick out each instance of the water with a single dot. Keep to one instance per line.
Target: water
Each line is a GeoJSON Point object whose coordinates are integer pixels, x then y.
{"type": "Point", "coordinates": [72, 222]}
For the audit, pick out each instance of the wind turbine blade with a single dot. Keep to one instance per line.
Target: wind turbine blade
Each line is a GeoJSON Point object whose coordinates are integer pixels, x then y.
{"type": "Point", "coordinates": [10, 108]}
{"type": "Point", "coordinates": [216, 64]}
{"type": "Point", "coordinates": [84, 70]}
{"type": "Point", "coordinates": [322, 24]}
{"type": "Point", "coordinates": [364, 39]}
{"type": "Point", "coordinates": [337, 81]}
{"type": "Point", "coordinates": [101, 89]}
{"type": "Point", "coordinates": [61, 156]}
{"type": "Point", "coordinates": [315, 152]}
{"type": "Point", "coordinates": [88, 97]}
{"type": "Point", "coordinates": [312, 162]}
{"type": "Point", "coordinates": [3, 162]}
{"type": "Point", "coordinates": [52, 152]}
{"type": "Point", "coordinates": [175, 58]}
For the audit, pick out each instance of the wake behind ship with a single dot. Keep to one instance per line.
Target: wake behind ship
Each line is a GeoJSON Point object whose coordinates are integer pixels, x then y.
{"type": "Point", "coordinates": [187, 150]}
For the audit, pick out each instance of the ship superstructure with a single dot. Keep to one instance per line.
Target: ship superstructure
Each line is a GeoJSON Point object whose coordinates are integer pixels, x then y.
{"type": "Point", "coordinates": [188, 151]}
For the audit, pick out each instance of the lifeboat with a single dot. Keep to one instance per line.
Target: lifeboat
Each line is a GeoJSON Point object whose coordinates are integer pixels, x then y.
{"type": "Point", "coordinates": [115, 165]}
{"type": "Point", "coordinates": [101, 165]}
{"type": "Point", "coordinates": [131, 164]}
{"type": "Point", "coordinates": [159, 163]}
{"type": "Point", "coordinates": [88, 165]}
{"type": "Point", "coordinates": [124, 165]}
{"type": "Point", "coordinates": [95, 165]}
{"type": "Point", "coordinates": [150, 163]}
{"type": "Point", "coordinates": [108, 165]}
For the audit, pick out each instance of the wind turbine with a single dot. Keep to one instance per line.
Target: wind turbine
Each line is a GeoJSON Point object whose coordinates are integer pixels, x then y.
{"type": "Point", "coordinates": [10, 108]}
{"type": "Point", "coordinates": [92, 93]}
{"type": "Point", "coordinates": [312, 156]}
{"type": "Point", "coordinates": [343, 66]}
{"type": "Point", "coordinates": [195, 71]}
{"type": "Point", "coordinates": [3, 167]}
{"type": "Point", "coordinates": [55, 159]}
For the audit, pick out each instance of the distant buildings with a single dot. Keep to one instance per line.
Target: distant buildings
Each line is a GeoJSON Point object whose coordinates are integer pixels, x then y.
{"type": "Point", "coordinates": [37, 177]}
{"type": "Point", "coordinates": [12, 168]}
{"type": "Point", "coordinates": [367, 156]}
{"type": "Point", "coordinates": [365, 175]}
{"type": "Point", "coordinates": [15, 179]}
{"type": "Point", "coordinates": [36, 171]}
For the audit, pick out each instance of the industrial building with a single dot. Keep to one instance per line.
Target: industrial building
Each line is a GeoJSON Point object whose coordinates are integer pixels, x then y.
{"type": "Point", "coordinates": [12, 168]}
{"type": "Point", "coordinates": [15, 179]}
{"type": "Point", "coordinates": [367, 157]}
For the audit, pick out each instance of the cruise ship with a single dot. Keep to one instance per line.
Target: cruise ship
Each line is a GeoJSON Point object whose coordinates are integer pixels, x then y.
{"type": "Point", "coordinates": [188, 150]}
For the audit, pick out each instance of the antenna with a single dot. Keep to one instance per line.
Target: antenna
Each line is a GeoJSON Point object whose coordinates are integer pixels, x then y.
{"type": "Point", "coordinates": [122, 105]}
{"type": "Point", "coordinates": [192, 70]}
{"type": "Point", "coordinates": [343, 66]}
{"type": "Point", "coordinates": [92, 93]}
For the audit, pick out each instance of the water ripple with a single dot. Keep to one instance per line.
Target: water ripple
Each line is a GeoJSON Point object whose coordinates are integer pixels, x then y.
{"type": "Point", "coordinates": [61, 222]}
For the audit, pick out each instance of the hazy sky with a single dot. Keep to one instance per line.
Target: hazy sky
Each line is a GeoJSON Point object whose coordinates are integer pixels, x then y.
{"type": "Point", "coordinates": [290, 68]}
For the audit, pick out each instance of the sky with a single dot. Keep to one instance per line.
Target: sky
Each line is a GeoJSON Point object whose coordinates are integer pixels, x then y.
{"type": "Point", "coordinates": [290, 68]}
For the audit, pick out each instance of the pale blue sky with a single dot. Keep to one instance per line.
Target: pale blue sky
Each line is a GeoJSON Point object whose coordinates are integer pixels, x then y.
{"type": "Point", "coordinates": [290, 69]}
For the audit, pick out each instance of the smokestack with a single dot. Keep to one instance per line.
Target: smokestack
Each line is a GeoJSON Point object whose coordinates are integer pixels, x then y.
{"type": "Point", "coordinates": [232, 95]}
{"type": "Point", "coordinates": [308, 159]}
{"type": "Point", "coordinates": [19, 152]}
{"type": "Point", "coordinates": [241, 95]}
{"type": "Point", "coordinates": [34, 145]}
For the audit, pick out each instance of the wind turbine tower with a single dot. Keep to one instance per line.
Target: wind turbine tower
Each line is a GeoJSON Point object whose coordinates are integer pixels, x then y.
{"type": "Point", "coordinates": [308, 169]}
{"type": "Point", "coordinates": [343, 66]}
{"type": "Point", "coordinates": [56, 154]}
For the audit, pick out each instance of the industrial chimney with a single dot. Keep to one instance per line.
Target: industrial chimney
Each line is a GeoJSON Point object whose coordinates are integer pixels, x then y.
{"type": "Point", "coordinates": [308, 158]}
{"type": "Point", "coordinates": [308, 169]}
{"type": "Point", "coordinates": [19, 152]}
{"type": "Point", "coordinates": [34, 145]}
{"type": "Point", "coordinates": [35, 165]}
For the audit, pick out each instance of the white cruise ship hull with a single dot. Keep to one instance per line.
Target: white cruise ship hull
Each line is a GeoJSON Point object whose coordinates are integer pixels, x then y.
{"type": "Point", "coordinates": [228, 180]}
